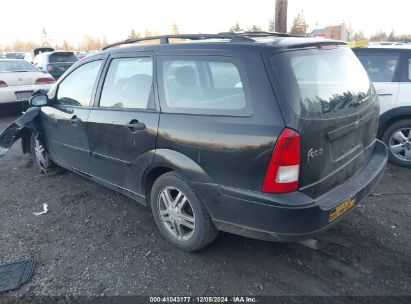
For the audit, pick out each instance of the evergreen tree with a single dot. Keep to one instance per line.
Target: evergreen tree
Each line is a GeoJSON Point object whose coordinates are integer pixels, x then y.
{"type": "Point", "coordinates": [45, 38]}
{"type": "Point", "coordinates": [299, 26]}
{"type": "Point", "coordinates": [133, 34]}
{"type": "Point", "coordinates": [174, 30]}
{"type": "Point", "coordinates": [271, 26]}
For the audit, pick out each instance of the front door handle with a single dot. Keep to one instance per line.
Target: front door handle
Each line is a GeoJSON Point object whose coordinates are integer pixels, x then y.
{"type": "Point", "coordinates": [135, 126]}
{"type": "Point", "coordinates": [75, 120]}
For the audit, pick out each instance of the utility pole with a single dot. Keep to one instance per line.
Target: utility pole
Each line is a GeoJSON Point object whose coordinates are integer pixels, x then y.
{"type": "Point", "coordinates": [281, 16]}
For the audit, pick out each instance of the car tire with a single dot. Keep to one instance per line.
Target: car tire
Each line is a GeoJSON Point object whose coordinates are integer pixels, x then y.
{"type": "Point", "coordinates": [180, 215]}
{"type": "Point", "coordinates": [40, 155]}
{"type": "Point", "coordinates": [397, 137]}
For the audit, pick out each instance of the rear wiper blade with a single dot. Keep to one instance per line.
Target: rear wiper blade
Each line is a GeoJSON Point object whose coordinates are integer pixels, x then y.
{"type": "Point", "coordinates": [357, 101]}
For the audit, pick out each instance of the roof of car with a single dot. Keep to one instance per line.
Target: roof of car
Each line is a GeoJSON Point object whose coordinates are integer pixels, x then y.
{"type": "Point", "coordinates": [11, 59]}
{"type": "Point", "coordinates": [386, 47]}
{"type": "Point", "coordinates": [218, 41]}
{"type": "Point", "coordinates": [53, 52]}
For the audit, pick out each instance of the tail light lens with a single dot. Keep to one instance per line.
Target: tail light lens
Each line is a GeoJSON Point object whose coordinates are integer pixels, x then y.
{"type": "Point", "coordinates": [284, 168]}
{"type": "Point", "coordinates": [49, 68]}
{"type": "Point", "coordinates": [45, 80]}
{"type": "Point", "coordinates": [3, 84]}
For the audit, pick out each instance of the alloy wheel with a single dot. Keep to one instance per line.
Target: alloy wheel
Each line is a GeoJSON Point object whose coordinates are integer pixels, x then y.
{"type": "Point", "coordinates": [400, 144]}
{"type": "Point", "coordinates": [176, 213]}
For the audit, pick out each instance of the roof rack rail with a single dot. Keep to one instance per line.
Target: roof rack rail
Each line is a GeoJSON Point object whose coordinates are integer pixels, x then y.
{"type": "Point", "coordinates": [260, 34]}
{"type": "Point", "coordinates": [164, 39]}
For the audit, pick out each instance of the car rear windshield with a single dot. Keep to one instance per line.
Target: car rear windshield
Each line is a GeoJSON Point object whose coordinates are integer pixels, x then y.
{"type": "Point", "coordinates": [14, 55]}
{"type": "Point", "coordinates": [62, 57]}
{"type": "Point", "coordinates": [322, 82]}
{"type": "Point", "coordinates": [7, 66]}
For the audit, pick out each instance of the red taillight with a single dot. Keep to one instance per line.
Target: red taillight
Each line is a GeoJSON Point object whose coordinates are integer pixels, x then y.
{"type": "Point", "coordinates": [45, 80]}
{"type": "Point", "coordinates": [3, 84]}
{"type": "Point", "coordinates": [283, 171]}
{"type": "Point", "coordinates": [49, 68]}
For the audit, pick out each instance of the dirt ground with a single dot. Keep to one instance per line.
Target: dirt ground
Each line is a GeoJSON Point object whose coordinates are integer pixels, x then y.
{"type": "Point", "coordinates": [94, 241]}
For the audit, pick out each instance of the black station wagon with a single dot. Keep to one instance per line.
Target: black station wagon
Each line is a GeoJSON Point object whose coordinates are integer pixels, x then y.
{"type": "Point", "coordinates": [261, 135]}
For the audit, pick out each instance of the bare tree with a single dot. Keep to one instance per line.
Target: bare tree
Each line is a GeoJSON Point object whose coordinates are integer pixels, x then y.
{"type": "Point", "coordinates": [21, 45]}
{"type": "Point", "coordinates": [66, 46]}
{"type": "Point", "coordinates": [281, 7]}
{"type": "Point", "coordinates": [147, 33]}
{"type": "Point", "coordinates": [255, 28]}
{"type": "Point", "coordinates": [104, 41]}
{"type": "Point", "coordinates": [358, 36]}
{"type": "Point", "coordinates": [236, 28]}
{"type": "Point", "coordinates": [391, 37]}
{"type": "Point", "coordinates": [379, 36]}
{"type": "Point", "coordinates": [90, 43]}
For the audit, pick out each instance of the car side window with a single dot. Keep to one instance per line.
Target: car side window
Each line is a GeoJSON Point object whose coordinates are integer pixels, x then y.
{"type": "Point", "coordinates": [409, 69]}
{"type": "Point", "coordinates": [204, 85]}
{"type": "Point", "coordinates": [225, 75]}
{"type": "Point", "coordinates": [380, 68]}
{"type": "Point", "coordinates": [128, 83]}
{"type": "Point", "coordinates": [77, 88]}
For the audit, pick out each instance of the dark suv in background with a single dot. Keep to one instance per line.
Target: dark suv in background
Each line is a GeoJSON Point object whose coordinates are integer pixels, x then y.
{"type": "Point", "coordinates": [258, 134]}
{"type": "Point", "coordinates": [55, 63]}
{"type": "Point", "coordinates": [12, 55]}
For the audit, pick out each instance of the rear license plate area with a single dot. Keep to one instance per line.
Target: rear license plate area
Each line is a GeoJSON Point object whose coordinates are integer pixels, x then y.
{"type": "Point", "coordinates": [341, 209]}
{"type": "Point", "coordinates": [24, 95]}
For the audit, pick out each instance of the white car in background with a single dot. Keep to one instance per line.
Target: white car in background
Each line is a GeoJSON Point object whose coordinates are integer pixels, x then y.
{"type": "Point", "coordinates": [389, 68]}
{"type": "Point", "coordinates": [20, 79]}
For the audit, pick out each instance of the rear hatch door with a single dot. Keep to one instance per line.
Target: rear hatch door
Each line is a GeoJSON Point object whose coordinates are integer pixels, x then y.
{"type": "Point", "coordinates": [327, 97]}
{"type": "Point", "coordinates": [42, 50]}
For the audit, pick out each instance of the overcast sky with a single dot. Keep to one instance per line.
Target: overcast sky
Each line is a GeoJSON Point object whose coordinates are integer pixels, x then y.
{"type": "Point", "coordinates": [72, 19]}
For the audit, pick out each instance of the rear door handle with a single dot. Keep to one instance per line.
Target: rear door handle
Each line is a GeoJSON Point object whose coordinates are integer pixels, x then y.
{"type": "Point", "coordinates": [384, 93]}
{"type": "Point", "coordinates": [135, 126]}
{"type": "Point", "coordinates": [75, 120]}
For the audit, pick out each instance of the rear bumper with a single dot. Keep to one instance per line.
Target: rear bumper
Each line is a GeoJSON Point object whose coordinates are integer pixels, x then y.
{"type": "Point", "coordinates": [291, 216]}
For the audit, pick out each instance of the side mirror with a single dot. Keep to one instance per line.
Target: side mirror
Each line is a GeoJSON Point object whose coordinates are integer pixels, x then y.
{"type": "Point", "coordinates": [39, 100]}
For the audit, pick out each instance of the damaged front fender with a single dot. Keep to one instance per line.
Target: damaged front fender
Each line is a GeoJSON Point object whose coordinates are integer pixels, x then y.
{"type": "Point", "coordinates": [16, 129]}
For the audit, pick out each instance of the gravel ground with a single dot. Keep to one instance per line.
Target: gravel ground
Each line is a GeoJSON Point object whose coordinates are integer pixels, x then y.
{"type": "Point", "coordinates": [94, 241]}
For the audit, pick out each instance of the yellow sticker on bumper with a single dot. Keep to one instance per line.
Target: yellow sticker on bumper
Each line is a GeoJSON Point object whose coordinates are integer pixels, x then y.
{"type": "Point", "coordinates": [341, 209]}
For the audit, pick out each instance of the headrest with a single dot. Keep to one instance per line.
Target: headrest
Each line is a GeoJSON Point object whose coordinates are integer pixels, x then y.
{"type": "Point", "coordinates": [185, 76]}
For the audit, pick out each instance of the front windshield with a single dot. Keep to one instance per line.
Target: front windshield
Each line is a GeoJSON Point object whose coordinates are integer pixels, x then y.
{"type": "Point", "coordinates": [7, 66]}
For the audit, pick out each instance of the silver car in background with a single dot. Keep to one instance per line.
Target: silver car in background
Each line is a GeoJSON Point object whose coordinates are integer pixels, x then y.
{"type": "Point", "coordinates": [20, 79]}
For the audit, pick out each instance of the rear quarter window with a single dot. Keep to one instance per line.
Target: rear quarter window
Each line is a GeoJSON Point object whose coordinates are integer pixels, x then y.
{"type": "Point", "coordinates": [204, 85]}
